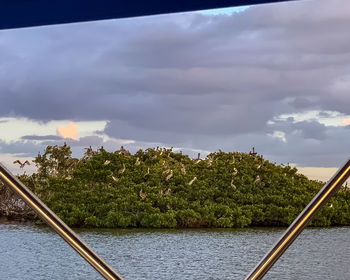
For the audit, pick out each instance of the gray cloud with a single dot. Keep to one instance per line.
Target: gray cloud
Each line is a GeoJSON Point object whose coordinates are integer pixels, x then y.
{"type": "Point", "coordinates": [192, 80]}
{"type": "Point", "coordinates": [41, 138]}
{"type": "Point", "coordinates": [20, 148]}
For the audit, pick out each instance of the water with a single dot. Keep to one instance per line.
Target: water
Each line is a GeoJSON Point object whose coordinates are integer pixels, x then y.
{"type": "Point", "coordinates": [31, 252]}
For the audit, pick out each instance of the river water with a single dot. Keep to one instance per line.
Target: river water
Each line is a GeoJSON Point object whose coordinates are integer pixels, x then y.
{"type": "Point", "coordinates": [32, 252]}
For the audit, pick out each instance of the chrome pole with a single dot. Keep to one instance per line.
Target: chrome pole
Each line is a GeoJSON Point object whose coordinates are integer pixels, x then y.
{"type": "Point", "coordinates": [58, 225]}
{"type": "Point", "coordinates": [322, 197]}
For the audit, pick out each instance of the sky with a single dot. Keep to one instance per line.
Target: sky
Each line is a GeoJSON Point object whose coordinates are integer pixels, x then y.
{"type": "Point", "coordinates": [273, 76]}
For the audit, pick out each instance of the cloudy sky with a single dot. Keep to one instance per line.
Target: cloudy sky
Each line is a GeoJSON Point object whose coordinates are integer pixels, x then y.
{"type": "Point", "coordinates": [275, 76]}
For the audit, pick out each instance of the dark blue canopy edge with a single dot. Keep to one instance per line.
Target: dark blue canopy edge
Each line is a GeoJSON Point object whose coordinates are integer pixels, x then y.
{"type": "Point", "coordinates": [26, 13]}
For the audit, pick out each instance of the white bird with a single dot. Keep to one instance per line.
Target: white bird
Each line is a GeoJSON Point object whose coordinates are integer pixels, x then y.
{"type": "Point", "coordinates": [166, 171]}
{"type": "Point", "coordinates": [22, 165]}
{"type": "Point", "coordinates": [170, 175]}
{"type": "Point", "coordinates": [147, 171]}
{"type": "Point", "coordinates": [257, 180]}
{"type": "Point", "coordinates": [107, 162]}
{"type": "Point", "coordinates": [115, 179]}
{"type": "Point", "coordinates": [142, 194]}
{"type": "Point", "coordinates": [69, 177]}
{"type": "Point", "coordinates": [121, 171]}
{"type": "Point", "coordinates": [167, 192]}
{"type": "Point", "coordinates": [183, 169]}
{"type": "Point", "coordinates": [137, 161]}
{"type": "Point", "coordinates": [232, 185]}
{"type": "Point", "coordinates": [192, 181]}
{"type": "Point", "coordinates": [235, 171]}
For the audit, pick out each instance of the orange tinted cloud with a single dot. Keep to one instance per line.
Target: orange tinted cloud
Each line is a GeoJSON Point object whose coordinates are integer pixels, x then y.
{"type": "Point", "coordinates": [70, 131]}
{"type": "Point", "coordinates": [346, 121]}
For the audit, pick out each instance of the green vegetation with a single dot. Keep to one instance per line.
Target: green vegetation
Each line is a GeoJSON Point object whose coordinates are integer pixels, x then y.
{"type": "Point", "coordinates": [163, 189]}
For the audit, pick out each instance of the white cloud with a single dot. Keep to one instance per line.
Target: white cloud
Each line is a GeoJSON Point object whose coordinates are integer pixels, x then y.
{"type": "Point", "coordinates": [279, 135]}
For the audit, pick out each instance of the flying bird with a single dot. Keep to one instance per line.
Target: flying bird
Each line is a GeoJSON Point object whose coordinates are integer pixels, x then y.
{"type": "Point", "coordinates": [21, 165]}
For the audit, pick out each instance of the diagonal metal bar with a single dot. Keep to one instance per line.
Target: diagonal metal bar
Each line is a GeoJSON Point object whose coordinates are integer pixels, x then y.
{"type": "Point", "coordinates": [58, 225]}
{"type": "Point", "coordinates": [305, 217]}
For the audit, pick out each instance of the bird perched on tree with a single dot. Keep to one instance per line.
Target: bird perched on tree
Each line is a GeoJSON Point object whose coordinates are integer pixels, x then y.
{"type": "Point", "coordinates": [142, 194]}
{"type": "Point", "coordinates": [121, 171]}
{"type": "Point", "coordinates": [252, 152]}
{"type": "Point", "coordinates": [167, 192]}
{"type": "Point", "coordinates": [235, 171]}
{"type": "Point", "coordinates": [107, 162]}
{"type": "Point", "coordinates": [232, 185]}
{"type": "Point", "coordinates": [257, 180]}
{"type": "Point", "coordinates": [192, 181]}
{"type": "Point", "coordinates": [166, 171]}
{"type": "Point", "coordinates": [89, 152]}
{"type": "Point", "coordinates": [137, 161]}
{"type": "Point", "coordinates": [183, 169]}
{"type": "Point", "coordinates": [21, 165]}
{"type": "Point", "coordinates": [115, 179]}
{"type": "Point", "coordinates": [170, 175]}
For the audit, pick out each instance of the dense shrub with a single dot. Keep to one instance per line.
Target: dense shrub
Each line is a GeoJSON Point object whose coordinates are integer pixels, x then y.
{"type": "Point", "coordinates": [162, 189]}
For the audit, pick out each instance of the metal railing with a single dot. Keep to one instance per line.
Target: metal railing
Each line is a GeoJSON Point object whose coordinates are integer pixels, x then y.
{"type": "Point", "coordinates": [305, 217]}
{"type": "Point", "coordinates": [58, 225]}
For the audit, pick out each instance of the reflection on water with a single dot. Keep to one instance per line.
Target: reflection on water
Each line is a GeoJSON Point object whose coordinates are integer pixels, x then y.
{"type": "Point", "coordinates": [31, 252]}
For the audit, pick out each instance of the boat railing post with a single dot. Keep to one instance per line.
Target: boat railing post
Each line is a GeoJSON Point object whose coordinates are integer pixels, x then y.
{"type": "Point", "coordinates": [304, 218]}
{"type": "Point", "coordinates": [58, 225]}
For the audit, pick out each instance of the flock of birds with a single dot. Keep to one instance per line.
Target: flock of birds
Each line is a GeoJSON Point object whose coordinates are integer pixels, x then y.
{"type": "Point", "coordinates": [168, 172]}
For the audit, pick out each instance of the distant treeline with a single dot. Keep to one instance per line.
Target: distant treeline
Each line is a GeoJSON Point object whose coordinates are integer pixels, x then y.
{"type": "Point", "coordinates": [161, 188]}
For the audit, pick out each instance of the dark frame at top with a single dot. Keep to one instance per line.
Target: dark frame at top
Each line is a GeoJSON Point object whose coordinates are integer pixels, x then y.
{"type": "Point", "coordinates": [29, 13]}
